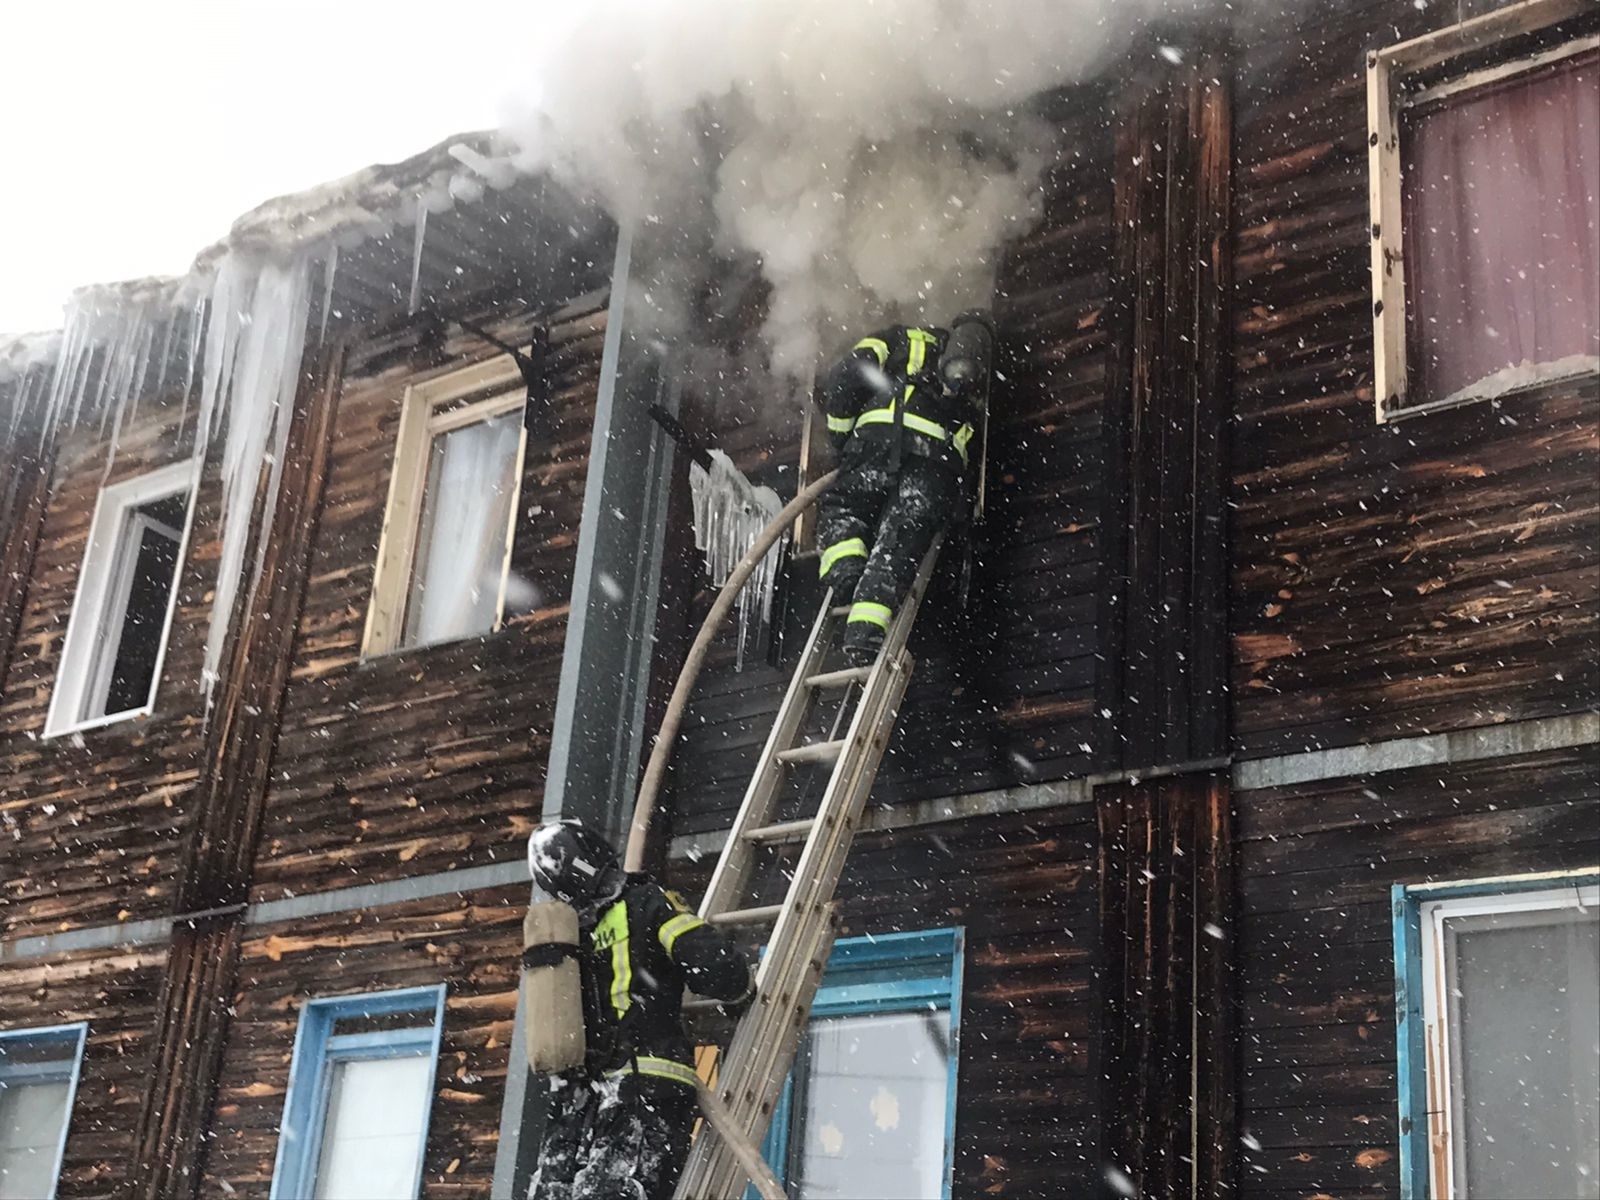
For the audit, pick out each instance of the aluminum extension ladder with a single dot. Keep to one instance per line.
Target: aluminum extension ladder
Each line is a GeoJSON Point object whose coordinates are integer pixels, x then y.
{"type": "Point", "coordinates": [751, 1074]}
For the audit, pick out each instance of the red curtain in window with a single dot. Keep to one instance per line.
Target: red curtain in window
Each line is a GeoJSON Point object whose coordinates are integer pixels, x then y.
{"type": "Point", "coordinates": [1502, 230]}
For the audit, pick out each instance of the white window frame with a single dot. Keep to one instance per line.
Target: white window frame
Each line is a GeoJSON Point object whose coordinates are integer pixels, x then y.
{"type": "Point", "coordinates": [102, 581]}
{"type": "Point", "coordinates": [1388, 72]}
{"type": "Point", "coordinates": [1445, 1151]}
{"type": "Point", "coordinates": [421, 420]}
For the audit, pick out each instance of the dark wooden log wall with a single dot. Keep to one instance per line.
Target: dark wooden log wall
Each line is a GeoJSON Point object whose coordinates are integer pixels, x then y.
{"type": "Point", "coordinates": [1316, 949]}
{"type": "Point", "coordinates": [240, 735]}
{"type": "Point", "coordinates": [1388, 580]}
{"type": "Point", "coordinates": [91, 825]}
{"type": "Point", "coordinates": [1166, 928]}
{"type": "Point", "coordinates": [25, 470]}
{"type": "Point", "coordinates": [115, 992]}
{"type": "Point", "coordinates": [1005, 694]}
{"type": "Point", "coordinates": [1023, 888]}
{"type": "Point", "coordinates": [470, 943]}
{"type": "Point", "coordinates": [428, 759]}
{"type": "Point", "coordinates": [1161, 692]}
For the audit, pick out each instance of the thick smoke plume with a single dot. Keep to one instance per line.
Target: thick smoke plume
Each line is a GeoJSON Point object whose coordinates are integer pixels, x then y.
{"type": "Point", "coordinates": [874, 154]}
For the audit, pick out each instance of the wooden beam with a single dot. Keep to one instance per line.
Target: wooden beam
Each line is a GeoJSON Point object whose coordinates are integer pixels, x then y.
{"type": "Point", "coordinates": [241, 735]}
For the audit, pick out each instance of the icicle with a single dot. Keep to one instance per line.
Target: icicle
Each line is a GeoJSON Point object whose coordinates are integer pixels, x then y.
{"type": "Point", "coordinates": [729, 514]}
{"type": "Point", "coordinates": [254, 341]}
{"type": "Point", "coordinates": [416, 254]}
{"type": "Point", "coordinates": [330, 268]}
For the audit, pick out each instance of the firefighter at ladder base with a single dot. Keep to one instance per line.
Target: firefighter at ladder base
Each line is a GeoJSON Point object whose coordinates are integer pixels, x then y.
{"type": "Point", "coordinates": [901, 407]}
{"type": "Point", "coordinates": [604, 995]}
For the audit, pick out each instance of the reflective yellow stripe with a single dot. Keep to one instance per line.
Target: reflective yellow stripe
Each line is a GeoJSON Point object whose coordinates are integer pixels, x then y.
{"type": "Point", "coordinates": [661, 1068]}
{"type": "Point", "coordinates": [849, 548]}
{"type": "Point", "coordinates": [672, 930]}
{"type": "Point", "coordinates": [885, 416]}
{"type": "Point", "coordinates": [878, 346]}
{"type": "Point", "coordinates": [612, 932]}
{"type": "Point", "coordinates": [872, 614]}
{"type": "Point", "coordinates": [963, 436]}
{"type": "Point", "coordinates": [841, 424]}
{"type": "Point", "coordinates": [921, 339]}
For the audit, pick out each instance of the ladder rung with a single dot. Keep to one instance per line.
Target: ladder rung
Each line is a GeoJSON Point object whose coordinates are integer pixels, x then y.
{"type": "Point", "coordinates": [772, 833]}
{"type": "Point", "coordinates": [834, 679]}
{"type": "Point", "coordinates": [816, 752]}
{"type": "Point", "coordinates": [747, 916]}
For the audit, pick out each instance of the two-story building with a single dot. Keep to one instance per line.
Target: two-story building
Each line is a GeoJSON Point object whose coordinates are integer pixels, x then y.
{"type": "Point", "coordinates": [1240, 835]}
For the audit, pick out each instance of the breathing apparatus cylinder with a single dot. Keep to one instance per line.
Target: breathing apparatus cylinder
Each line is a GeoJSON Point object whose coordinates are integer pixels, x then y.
{"type": "Point", "coordinates": [551, 988]}
{"type": "Point", "coordinates": [964, 365]}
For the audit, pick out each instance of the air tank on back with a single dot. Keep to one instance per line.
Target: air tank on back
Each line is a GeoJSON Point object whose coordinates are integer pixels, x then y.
{"type": "Point", "coordinates": [965, 364]}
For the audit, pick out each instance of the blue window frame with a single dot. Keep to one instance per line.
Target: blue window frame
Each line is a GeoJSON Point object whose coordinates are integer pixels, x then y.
{"type": "Point", "coordinates": [38, 1083]}
{"type": "Point", "coordinates": [1497, 997]}
{"type": "Point", "coordinates": [872, 1096]}
{"type": "Point", "coordinates": [339, 1069]}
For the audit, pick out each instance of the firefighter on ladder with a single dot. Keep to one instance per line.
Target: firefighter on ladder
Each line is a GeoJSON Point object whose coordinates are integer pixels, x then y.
{"type": "Point", "coordinates": [619, 1123]}
{"type": "Point", "coordinates": [901, 410]}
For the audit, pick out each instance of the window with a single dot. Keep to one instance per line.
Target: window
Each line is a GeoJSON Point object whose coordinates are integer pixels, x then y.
{"type": "Point", "coordinates": [38, 1079]}
{"type": "Point", "coordinates": [445, 551]}
{"type": "Point", "coordinates": [127, 589]}
{"type": "Point", "coordinates": [869, 1109]}
{"type": "Point", "coordinates": [1498, 989]}
{"type": "Point", "coordinates": [355, 1120]}
{"type": "Point", "coordinates": [1485, 161]}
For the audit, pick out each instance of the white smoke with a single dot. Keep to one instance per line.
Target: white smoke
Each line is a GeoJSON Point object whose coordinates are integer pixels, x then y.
{"type": "Point", "coordinates": [875, 154]}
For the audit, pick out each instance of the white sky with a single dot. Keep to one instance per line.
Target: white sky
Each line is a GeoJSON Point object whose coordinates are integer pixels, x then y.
{"type": "Point", "coordinates": [135, 131]}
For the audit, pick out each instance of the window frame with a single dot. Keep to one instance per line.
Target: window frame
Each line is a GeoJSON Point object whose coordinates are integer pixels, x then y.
{"type": "Point", "coordinates": [1426, 1106]}
{"type": "Point", "coordinates": [316, 1051]}
{"type": "Point", "coordinates": [73, 1031]}
{"type": "Point", "coordinates": [941, 953]}
{"type": "Point", "coordinates": [500, 388]}
{"type": "Point", "coordinates": [1388, 71]}
{"type": "Point", "coordinates": [92, 599]}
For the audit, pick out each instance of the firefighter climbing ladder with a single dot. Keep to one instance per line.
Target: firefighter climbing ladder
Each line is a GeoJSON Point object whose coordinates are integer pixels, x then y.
{"type": "Point", "coordinates": [751, 1074]}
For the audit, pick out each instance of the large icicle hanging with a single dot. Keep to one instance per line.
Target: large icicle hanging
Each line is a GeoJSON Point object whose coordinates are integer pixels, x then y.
{"type": "Point", "coordinates": [729, 514]}
{"type": "Point", "coordinates": [254, 341]}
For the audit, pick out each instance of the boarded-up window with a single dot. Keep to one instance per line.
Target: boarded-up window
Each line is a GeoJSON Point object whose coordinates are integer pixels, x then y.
{"type": "Point", "coordinates": [1502, 232]}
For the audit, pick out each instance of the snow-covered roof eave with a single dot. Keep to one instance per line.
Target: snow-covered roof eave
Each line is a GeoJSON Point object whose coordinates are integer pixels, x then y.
{"type": "Point", "coordinates": [343, 212]}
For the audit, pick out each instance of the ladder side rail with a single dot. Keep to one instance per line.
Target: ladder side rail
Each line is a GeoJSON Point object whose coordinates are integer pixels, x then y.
{"type": "Point", "coordinates": [732, 871]}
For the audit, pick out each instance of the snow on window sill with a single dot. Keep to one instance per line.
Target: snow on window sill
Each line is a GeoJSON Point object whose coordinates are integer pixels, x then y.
{"type": "Point", "coordinates": [132, 714]}
{"type": "Point", "coordinates": [1509, 382]}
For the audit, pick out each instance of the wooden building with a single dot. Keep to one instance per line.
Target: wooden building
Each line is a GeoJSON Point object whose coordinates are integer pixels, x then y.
{"type": "Point", "coordinates": [1240, 835]}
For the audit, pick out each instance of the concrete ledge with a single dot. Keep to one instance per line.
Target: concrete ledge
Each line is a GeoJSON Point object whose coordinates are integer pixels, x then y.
{"type": "Point", "coordinates": [1461, 745]}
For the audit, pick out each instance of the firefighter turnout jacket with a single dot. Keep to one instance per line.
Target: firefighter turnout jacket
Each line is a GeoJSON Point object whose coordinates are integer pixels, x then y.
{"type": "Point", "coordinates": [642, 950]}
{"type": "Point", "coordinates": [888, 391]}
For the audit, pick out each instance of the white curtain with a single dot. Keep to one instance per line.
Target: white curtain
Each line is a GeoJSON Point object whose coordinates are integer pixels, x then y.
{"type": "Point", "coordinates": [461, 543]}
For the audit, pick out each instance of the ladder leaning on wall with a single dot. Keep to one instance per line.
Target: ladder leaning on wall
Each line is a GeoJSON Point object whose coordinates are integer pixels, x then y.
{"type": "Point", "coordinates": [864, 702]}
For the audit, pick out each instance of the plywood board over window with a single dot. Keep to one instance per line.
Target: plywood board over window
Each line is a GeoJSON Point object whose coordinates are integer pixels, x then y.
{"type": "Point", "coordinates": [445, 551]}
{"type": "Point", "coordinates": [1484, 157]}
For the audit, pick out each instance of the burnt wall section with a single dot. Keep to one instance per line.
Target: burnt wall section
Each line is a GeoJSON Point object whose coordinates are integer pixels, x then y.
{"type": "Point", "coordinates": [1439, 572]}
{"type": "Point", "coordinates": [91, 824]}
{"type": "Point", "coordinates": [115, 992]}
{"type": "Point", "coordinates": [470, 943]}
{"type": "Point", "coordinates": [1317, 1089]}
{"type": "Point", "coordinates": [429, 759]}
{"type": "Point", "coordinates": [1004, 692]}
{"type": "Point", "coordinates": [1023, 889]}
{"type": "Point", "coordinates": [1161, 691]}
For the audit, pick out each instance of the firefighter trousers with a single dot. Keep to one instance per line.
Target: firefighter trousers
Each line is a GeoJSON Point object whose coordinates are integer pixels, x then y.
{"type": "Point", "coordinates": [614, 1137]}
{"type": "Point", "coordinates": [874, 527]}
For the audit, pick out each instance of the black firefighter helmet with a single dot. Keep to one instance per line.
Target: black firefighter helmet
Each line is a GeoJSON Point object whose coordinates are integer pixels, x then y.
{"type": "Point", "coordinates": [574, 864]}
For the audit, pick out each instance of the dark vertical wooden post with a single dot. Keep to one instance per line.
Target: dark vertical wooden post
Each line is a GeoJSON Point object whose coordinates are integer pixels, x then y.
{"type": "Point", "coordinates": [1165, 856]}
{"type": "Point", "coordinates": [25, 471]}
{"type": "Point", "coordinates": [1161, 684]}
{"type": "Point", "coordinates": [192, 1010]}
